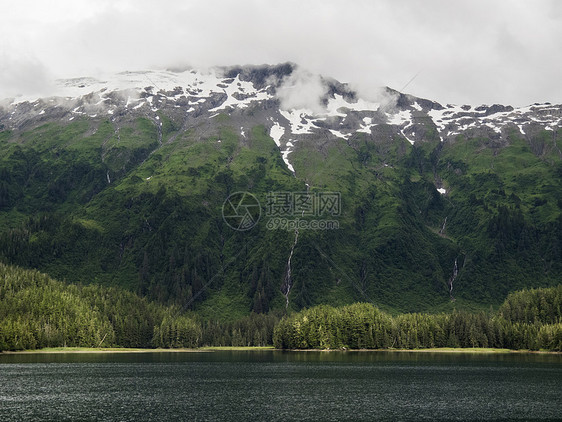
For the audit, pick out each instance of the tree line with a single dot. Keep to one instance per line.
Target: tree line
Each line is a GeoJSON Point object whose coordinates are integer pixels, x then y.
{"type": "Point", "coordinates": [529, 319]}
{"type": "Point", "coordinates": [37, 311]}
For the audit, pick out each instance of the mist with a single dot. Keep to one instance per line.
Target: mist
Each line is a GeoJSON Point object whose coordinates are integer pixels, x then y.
{"type": "Point", "coordinates": [470, 52]}
{"type": "Point", "coordinates": [302, 90]}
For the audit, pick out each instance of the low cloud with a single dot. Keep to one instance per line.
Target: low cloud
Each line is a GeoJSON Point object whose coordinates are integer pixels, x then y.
{"type": "Point", "coordinates": [484, 51]}
{"type": "Point", "coordinates": [23, 76]}
{"type": "Point", "coordinates": [376, 94]}
{"type": "Point", "coordinates": [302, 90]}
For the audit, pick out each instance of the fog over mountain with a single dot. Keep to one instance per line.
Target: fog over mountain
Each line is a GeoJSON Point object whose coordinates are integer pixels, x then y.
{"type": "Point", "coordinates": [463, 53]}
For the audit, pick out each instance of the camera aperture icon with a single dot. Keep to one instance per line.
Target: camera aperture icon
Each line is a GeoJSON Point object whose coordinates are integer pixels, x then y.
{"type": "Point", "coordinates": [241, 211]}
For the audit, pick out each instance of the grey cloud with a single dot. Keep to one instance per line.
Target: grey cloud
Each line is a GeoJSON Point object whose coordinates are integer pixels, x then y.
{"type": "Point", "coordinates": [23, 76]}
{"type": "Point", "coordinates": [464, 52]}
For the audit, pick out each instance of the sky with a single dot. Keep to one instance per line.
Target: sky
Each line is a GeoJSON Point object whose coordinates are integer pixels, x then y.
{"type": "Point", "coordinates": [460, 52]}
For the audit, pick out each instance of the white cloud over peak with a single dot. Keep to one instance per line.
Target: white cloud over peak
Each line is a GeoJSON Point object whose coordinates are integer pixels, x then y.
{"type": "Point", "coordinates": [302, 90]}
{"type": "Point", "coordinates": [495, 51]}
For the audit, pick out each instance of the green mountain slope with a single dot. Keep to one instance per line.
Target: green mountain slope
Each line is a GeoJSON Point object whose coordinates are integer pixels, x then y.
{"type": "Point", "coordinates": [135, 201]}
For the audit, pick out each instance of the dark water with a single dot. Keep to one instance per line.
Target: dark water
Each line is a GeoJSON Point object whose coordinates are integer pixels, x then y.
{"type": "Point", "coordinates": [279, 386]}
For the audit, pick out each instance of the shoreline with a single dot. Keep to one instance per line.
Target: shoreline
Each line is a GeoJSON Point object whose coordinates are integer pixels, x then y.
{"type": "Point", "coordinates": [58, 350]}
{"type": "Point", "coordinates": [77, 350]}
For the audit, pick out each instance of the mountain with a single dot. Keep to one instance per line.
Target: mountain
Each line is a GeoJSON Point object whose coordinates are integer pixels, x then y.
{"type": "Point", "coordinates": [399, 201]}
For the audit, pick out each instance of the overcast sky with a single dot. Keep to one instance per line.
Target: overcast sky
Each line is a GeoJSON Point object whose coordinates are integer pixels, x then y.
{"type": "Point", "coordinates": [462, 52]}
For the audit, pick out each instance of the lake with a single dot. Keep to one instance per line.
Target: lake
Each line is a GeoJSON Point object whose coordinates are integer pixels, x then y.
{"type": "Point", "coordinates": [272, 385]}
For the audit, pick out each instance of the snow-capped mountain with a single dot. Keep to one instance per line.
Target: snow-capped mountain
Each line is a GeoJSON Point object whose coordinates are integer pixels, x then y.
{"type": "Point", "coordinates": [121, 179]}
{"type": "Point", "coordinates": [257, 94]}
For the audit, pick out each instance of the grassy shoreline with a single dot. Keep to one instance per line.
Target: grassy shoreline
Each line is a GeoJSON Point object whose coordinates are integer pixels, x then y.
{"type": "Point", "coordinates": [55, 350]}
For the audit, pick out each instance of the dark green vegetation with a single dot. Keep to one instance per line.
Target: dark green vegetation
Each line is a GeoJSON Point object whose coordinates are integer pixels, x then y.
{"type": "Point", "coordinates": [530, 319]}
{"type": "Point", "coordinates": [37, 311]}
{"type": "Point", "coordinates": [128, 205]}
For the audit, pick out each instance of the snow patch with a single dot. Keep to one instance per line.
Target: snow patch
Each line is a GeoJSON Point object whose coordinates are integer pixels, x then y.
{"type": "Point", "coordinates": [338, 134]}
{"type": "Point", "coordinates": [276, 132]}
{"type": "Point", "coordinates": [417, 106]}
{"type": "Point", "coordinates": [197, 85]}
{"type": "Point", "coordinates": [336, 103]}
{"type": "Point", "coordinates": [408, 139]}
{"type": "Point", "coordinates": [299, 120]}
{"type": "Point", "coordinates": [367, 125]}
{"type": "Point", "coordinates": [494, 128]}
{"type": "Point", "coordinates": [285, 156]}
{"type": "Point", "coordinates": [543, 114]}
{"type": "Point", "coordinates": [399, 118]}
{"type": "Point", "coordinates": [240, 87]}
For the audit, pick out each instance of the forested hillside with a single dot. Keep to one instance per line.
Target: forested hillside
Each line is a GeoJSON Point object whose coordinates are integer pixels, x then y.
{"type": "Point", "coordinates": [441, 207]}
{"type": "Point", "coordinates": [37, 311]}
{"type": "Point", "coordinates": [530, 319]}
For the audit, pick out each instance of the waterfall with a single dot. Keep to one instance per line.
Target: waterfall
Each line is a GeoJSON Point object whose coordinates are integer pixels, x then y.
{"type": "Point", "coordinates": [159, 128]}
{"type": "Point", "coordinates": [442, 231]}
{"type": "Point", "coordinates": [452, 279]}
{"type": "Point", "coordinates": [288, 283]}
{"type": "Point", "coordinates": [288, 280]}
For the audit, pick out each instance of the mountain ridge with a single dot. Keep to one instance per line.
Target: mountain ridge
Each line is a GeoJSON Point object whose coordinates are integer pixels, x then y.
{"type": "Point", "coordinates": [198, 93]}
